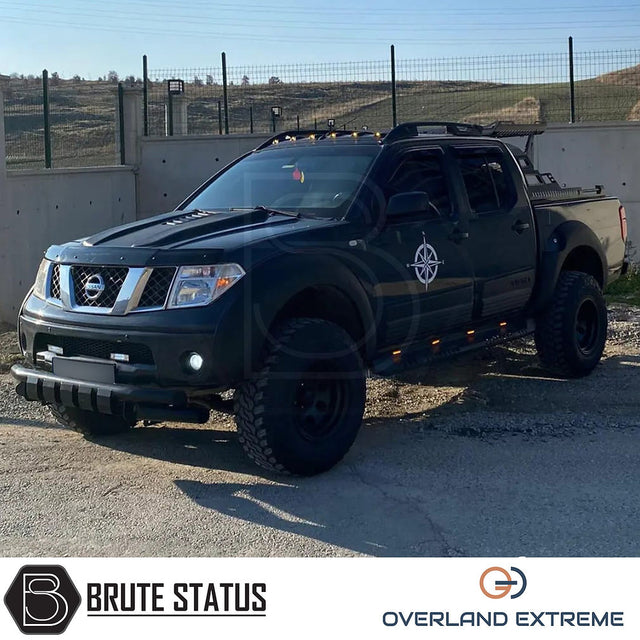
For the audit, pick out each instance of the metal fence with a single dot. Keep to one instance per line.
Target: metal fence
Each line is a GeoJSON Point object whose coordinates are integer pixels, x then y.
{"type": "Point", "coordinates": [24, 125]}
{"type": "Point", "coordinates": [556, 87]}
{"type": "Point", "coordinates": [59, 123]}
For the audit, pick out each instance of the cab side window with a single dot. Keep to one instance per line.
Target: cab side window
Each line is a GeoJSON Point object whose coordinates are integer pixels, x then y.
{"type": "Point", "coordinates": [422, 171]}
{"type": "Point", "coordinates": [487, 181]}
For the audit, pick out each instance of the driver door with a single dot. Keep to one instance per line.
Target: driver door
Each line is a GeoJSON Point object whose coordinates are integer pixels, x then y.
{"type": "Point", "coordinates": [425, 278]}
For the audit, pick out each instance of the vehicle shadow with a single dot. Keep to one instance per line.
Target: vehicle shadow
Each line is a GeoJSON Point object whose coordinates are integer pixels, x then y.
{"type": "Point", "coordinates": [339, 508]}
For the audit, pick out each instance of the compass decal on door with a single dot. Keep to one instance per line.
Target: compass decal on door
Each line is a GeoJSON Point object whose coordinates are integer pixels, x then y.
{"type": "Point", "coordinates": [426, 263]}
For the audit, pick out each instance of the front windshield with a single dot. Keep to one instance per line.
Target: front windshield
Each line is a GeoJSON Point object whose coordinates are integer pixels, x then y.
{"type": "Point", "coordinates": [314, 180]}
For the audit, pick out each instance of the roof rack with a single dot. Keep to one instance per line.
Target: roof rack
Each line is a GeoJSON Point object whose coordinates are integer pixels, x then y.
{"type": "Point", "coordinates": [499, 129]}
{"type": "Point", "coordinates": [412, 129]}
{"type": "Point", "coordinates": [315, 134]}
{"type": "Point", "coordinates": [505, 129]}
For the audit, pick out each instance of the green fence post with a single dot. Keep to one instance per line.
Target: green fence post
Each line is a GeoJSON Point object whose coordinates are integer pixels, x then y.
{"type": "Point", "coordinates": [219, 117]}
{"type": "Point", "coordinates": [121, 121]}
{"type": "Point", "coordinates": [47, 122]}
{"type": "Point", "coordinates": [394, 112]}
{"type": "Point", "coordinates": [572, 84]}
{"type": "Point", "coordinates": [145, 95]}
{"type": "Point", "coordinates": [224, 92]}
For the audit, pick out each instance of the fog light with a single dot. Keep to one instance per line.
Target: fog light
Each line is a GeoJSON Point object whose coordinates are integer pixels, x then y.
{"type": "Point", "coordinates": [195, 361]}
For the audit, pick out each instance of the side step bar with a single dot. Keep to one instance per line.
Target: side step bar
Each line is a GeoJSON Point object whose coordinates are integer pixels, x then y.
{"type": "Point", "coordinates": [449, 345]}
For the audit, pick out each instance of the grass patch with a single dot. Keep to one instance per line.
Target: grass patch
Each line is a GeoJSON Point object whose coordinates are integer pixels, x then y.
{"type": "Point", "coordinates": [625, 289]}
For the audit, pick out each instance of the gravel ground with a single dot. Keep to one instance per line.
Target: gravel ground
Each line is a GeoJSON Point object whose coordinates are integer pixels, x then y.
{"type": "Point", "coordinates": [486, 455]}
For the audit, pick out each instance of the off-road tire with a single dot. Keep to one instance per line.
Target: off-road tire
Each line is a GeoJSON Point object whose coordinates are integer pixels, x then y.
{"type": "Point", "coordinates": [300, 413]}
{"type": "Point", "coordinates": [570, 335]}
{"type": "Point", "coordinates": [89, 423]}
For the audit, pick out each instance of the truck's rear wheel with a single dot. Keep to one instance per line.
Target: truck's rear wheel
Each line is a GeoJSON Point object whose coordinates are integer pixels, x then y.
{"type": "Point", "coordinates": [88, 422]}
{"type": "Point", "coordinates": [570, 336]}
{"type": "Point", "coordinates": [301, 412]}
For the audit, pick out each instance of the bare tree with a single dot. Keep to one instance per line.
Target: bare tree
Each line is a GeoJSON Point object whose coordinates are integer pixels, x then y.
{"type": "Point", "coordinates": [275, 80]}
{"type": "Point", "coordinates": [112, 77]}
{"type": "Point", "coordinates": [245, 81]}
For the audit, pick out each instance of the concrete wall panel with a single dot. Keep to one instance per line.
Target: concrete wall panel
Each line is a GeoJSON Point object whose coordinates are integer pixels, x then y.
{"type": "Point", "coordinates": [597, 153]}
{"type": "Point", "coordinates": [50, 207]}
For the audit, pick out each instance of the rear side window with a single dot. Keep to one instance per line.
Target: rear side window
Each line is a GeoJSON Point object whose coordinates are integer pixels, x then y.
{"type": "Point", "coordinates": [422, 171]}
{"type": "Point", "coordinates": [488, 183]}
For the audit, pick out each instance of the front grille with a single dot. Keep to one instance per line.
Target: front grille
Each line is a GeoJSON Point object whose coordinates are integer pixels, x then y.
{"type": "Point", "coordinates": [157, 288]}
{"type": "Point", "coordinates": [138, 353]}
{"type": "Point", "coordinates": [54, 289]}
{"type": "Point", "coordinates": [112, 277]}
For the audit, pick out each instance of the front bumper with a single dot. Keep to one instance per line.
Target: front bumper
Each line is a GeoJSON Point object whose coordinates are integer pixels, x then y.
{"type": "Point", "coordinates": [130, 401]}
{"type": "Point", "coordinates": [153, 357]}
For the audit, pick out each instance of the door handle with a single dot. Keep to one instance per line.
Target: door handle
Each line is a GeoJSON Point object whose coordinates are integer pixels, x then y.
{"type": "Point", "coordinates": [520, 227]}
{"type": "Point", "coordinates": [458, 236]}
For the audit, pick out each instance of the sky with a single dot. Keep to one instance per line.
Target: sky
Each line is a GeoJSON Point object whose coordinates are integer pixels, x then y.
{"type": "Point", "coordinates": [90, 38]}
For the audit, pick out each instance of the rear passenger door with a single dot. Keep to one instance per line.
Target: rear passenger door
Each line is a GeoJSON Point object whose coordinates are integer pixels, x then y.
{"type": "Point", "coordinates": [501, 242]}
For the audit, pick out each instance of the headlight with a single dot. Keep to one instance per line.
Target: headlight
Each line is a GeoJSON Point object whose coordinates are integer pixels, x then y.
{"type": "Point", "coordinates": [198, 286]}
{"type": "Point", "coordinates": [40, 286]}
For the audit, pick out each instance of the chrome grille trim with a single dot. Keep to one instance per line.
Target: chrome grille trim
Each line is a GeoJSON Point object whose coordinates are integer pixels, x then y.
{"type": "Point", "coordinates": [127, 300]}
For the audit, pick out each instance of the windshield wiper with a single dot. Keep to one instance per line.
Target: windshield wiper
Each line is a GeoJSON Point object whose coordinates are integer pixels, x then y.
{"type": "Point", "coordinates": [268, 210]}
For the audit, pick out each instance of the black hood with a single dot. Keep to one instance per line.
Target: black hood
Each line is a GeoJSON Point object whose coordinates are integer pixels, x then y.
{"type": "Point", "coordinates": [180, 237]}
{"type": "Point", "coordinates": [178, 228]}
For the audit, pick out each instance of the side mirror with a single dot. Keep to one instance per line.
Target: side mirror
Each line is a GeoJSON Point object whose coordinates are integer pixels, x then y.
{"type": "Point", "coordinates": [408, 202]}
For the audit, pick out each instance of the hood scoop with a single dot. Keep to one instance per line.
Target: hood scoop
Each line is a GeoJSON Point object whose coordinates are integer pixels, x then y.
{"type": "Point", "coordinates": [188, 217]}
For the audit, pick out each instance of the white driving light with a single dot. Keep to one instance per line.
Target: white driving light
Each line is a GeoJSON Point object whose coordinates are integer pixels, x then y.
{"type": "Point", "coordinates": [195, 361]}
{"type": "Point", "coordinates": [198, 286]}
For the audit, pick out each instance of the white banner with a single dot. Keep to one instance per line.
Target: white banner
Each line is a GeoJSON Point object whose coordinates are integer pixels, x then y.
{"type": "Point", "coordinates": [319, 598]}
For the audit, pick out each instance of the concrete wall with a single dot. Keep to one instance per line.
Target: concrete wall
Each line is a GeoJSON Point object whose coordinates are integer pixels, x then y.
{"type": "Point", "coordinates": [172, 167]}
{"type": "Point", "coordinates": [51, 206]}
{"type": "Point", "coordinates": [597, 153]}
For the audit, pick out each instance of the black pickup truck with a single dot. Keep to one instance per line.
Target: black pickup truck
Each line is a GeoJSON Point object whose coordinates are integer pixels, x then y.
{"type": "Point", "coordinates": [308, 262]}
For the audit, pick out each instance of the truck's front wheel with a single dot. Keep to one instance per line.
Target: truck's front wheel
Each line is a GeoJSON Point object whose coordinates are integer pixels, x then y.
{"type": "Point", "coordinates": [301, 412]}
{"type": "Point", "coordinates": [570, 336]}
{"type": "Point", "coordinates": [88, 422]}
